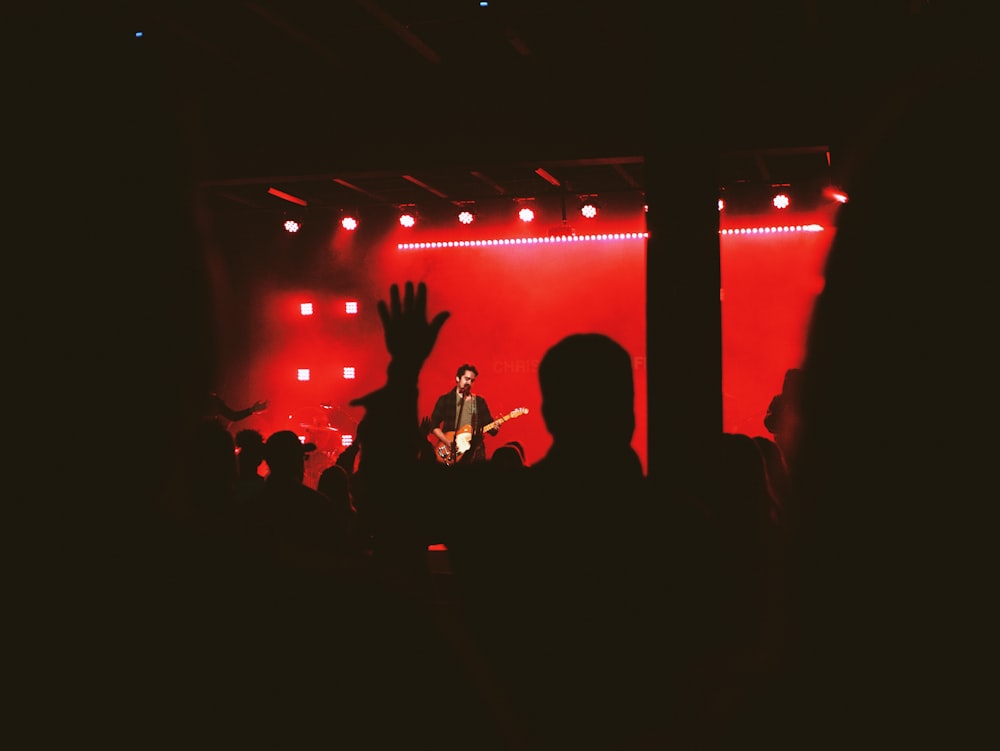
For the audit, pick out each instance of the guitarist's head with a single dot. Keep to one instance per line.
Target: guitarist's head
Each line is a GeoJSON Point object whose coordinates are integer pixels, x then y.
{"type": "Point", "coordinates": [465, 376]}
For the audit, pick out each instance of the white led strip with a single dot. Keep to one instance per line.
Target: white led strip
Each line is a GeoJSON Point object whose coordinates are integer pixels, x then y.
{"type": "Point", "coordinates": [557, 239]}
{"type": "Point", "coordinates": [770, 230]}
{"type": "Point", "coordinates": [550, 240]}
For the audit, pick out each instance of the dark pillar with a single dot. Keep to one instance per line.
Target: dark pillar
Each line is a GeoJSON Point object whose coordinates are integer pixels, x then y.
{"type": "Point", "coordinates": [683, 275]}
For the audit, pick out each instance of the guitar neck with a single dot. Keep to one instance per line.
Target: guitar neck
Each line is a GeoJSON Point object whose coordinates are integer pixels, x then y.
{"type": "Point", "coordinates": [498, 421]}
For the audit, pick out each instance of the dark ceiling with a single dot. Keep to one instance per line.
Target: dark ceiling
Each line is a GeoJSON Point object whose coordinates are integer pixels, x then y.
{"type": "Point", "coordinates": [390, 102]}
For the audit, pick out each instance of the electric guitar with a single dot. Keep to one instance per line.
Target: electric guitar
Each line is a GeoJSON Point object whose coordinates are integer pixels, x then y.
{"type": "Point", "coordinates": [461, 440]}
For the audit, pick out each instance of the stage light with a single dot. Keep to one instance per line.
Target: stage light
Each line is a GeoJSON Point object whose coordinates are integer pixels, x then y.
{"type": "Point", "coordinates": [780, 200]}
{"type": "Point", "coordinates": [292, 226]}
{"type": "Point", "coordinates": [306, 309]}
{"type": "Point", "coordinates": [589, 206]}
{"type": "Point", "coordinates": [524, 210]}
{"type": "Point", "coordinates": [467, 212]}
{"type": "Point", "coordinates": [349, 222]}
{"type": "Point", "coordinates": [407, 215]}
{"type": "Point", "coordinates": [835, 194]}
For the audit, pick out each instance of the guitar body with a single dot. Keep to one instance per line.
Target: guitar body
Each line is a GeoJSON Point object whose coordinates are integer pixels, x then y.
{"type": "Point", "coordinates": [461, 439]}
{"type": "Point", "coordinates": [461, 442]}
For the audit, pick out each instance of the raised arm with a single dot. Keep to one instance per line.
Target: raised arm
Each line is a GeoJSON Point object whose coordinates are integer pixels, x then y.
{"type": "Point", "coordinates": [235, 415]}
{"type": "Point", "coordinates": [391, 412]}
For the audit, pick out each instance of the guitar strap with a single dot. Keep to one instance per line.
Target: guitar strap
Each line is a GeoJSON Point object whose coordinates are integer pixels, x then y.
{"type": "Point", "coordinates": [458, 412]}
{"type": "Point", "coordinates": [458, 424]}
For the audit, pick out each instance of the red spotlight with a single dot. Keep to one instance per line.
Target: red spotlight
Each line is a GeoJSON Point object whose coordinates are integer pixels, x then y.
{"type": "Point", "coordinates": [526, 214]}
{"type": "Point", "coordinates": [349, 223]}
{"type": "Point", "coordinates": [781, 201]}
{"type": "Point", "coordinates": [292, 226]}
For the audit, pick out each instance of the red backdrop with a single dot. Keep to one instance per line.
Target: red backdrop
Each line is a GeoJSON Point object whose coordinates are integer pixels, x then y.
{"type": "Point", "coordinates": [508, 304]}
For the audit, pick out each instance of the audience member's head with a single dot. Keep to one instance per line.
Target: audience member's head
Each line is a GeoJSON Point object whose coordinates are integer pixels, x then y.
{"type": "Point", "coordinates": [782, 416]}
{"type": "Point", "coordinates": [250, 443]}
{"type": "Point", "coordinates": [584, 369]}
{"type": "Point", "coordinates": [212, 454]}
{"type": "Point", "coordinates": [286, 455]}
{"type": "Point", "coordinates": [335, 484]}
{"type": "Point", "coordinates": [510, 454]}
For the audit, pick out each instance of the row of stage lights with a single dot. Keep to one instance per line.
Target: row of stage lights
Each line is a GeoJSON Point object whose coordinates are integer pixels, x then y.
{"type": "Point", "coordinates": [781, 198]}
{"type": "Point", "coordinates": [589, 208]}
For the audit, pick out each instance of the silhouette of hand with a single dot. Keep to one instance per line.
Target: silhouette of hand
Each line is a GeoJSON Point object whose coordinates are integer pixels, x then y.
{"type": "Point", "coordinates": [409, 336]}
{"type": "Point", "coordinates": [259, 406]}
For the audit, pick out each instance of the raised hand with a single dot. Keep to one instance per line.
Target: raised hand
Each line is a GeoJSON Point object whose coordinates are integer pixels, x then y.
{"type": "Point", "coordinates": [409, 336]}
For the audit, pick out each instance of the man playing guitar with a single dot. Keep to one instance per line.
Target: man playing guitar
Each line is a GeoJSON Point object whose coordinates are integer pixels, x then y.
{"type": "Point", "coordinates": [456, 417]}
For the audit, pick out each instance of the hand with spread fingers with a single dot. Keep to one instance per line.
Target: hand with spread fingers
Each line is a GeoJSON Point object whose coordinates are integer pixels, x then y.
{"type": "Point", "coordinates": [409, 336]}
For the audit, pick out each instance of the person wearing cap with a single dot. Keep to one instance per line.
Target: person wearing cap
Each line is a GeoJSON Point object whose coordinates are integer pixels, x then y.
{"type": "Point", "coordinates": [293, 523]}
{"type": "Point", "coordinates": [286, 455]}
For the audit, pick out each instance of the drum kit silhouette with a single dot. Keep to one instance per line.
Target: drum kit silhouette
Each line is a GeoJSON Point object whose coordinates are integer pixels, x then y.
{"type": "Point", "coordinates": [325, 427]}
